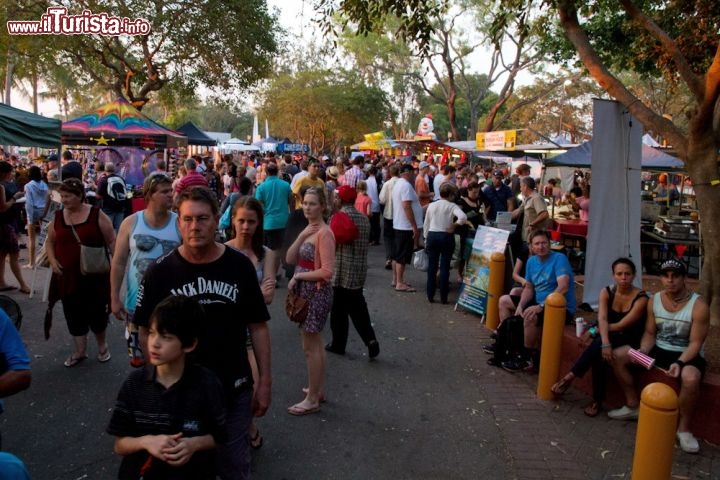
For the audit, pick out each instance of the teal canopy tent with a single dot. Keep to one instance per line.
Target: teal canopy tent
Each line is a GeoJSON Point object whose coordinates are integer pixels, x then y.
{"type": "Point", "coordinates": [25, 129]}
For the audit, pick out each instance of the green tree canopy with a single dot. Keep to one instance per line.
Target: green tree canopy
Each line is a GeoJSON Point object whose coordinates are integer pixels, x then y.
{"type": "Point", "coordinates": [228, 44]}
{"type": "Point", "coordinates": [325, 109]}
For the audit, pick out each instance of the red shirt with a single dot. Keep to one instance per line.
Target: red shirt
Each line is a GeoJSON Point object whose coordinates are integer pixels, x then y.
{"type": "Point", "coordinates": [362, 204]}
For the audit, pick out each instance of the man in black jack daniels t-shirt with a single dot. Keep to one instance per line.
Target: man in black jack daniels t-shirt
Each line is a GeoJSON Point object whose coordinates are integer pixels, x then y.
{"type": "Point", "coordinates": [225, 283]}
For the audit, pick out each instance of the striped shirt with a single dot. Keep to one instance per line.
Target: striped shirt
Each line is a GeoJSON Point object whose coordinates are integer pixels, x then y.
{"type": "Point", "coordinates": [353, 176]}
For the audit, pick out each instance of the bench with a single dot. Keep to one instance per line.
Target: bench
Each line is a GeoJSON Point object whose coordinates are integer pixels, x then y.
{"type": "Point", "coordinates": [706, 420]}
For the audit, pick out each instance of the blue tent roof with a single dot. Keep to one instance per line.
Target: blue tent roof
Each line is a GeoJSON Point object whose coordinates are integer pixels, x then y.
{"type": "Point", "coordinates": [581, 156]}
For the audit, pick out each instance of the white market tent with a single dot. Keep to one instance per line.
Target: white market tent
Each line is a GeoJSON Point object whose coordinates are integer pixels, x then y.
{"type": "Point", "coordinates": [237, 145]}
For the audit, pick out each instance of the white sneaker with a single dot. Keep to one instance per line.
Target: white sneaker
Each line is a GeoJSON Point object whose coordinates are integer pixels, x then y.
{"type": "Point", "coordinates": [688, 443]}
{"type": "Point", "coordinates": [624, 413]}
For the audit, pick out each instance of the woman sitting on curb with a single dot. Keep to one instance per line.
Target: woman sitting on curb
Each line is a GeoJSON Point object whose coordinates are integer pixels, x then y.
{"type": "Point", "coordinates": [621, 314]}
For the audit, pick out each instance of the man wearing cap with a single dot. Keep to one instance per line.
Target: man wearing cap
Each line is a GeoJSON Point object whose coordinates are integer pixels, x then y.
{"type": "Point", "coordinates": [407, 225]}
{"type": "Point", "coordinates": [422, 184]}
{"type": "Point", "coordinates": [51, 167]}
{"type": "Point", "coordinates": [499, 196]}
{"type": "Point", "coordinates": [349, 280]}
{"type": "Point", "coordinates": [675, 332]}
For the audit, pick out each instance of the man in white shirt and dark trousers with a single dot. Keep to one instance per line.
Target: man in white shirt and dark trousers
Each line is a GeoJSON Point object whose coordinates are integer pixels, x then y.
{"type": "Point", "coordinates": [438, 231]}
{"type": "Point", "coordinates": [407, 222]}
{"type": "Point", "coordinates": [386, 200]}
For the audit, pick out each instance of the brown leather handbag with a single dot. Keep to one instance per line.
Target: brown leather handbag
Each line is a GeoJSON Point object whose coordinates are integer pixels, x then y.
{"type": "Point", "coordinates": [296, 307]}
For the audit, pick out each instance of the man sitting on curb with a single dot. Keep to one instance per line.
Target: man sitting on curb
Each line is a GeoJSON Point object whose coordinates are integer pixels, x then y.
{"type": "Point", "coordinates": [675, 331]}
{"type": "Point", "coordinates": [546, 272]}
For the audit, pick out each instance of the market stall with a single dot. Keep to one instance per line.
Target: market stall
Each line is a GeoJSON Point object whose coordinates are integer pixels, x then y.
{"type": "Point", "coordinates": [664, 232]}
{"type": "Point", "coordinates": [120, 133]}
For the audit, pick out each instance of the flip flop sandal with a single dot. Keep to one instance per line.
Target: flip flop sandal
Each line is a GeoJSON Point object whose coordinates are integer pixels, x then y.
{"type": "Point", "coordinates": [73, 360]}
{"type": "Point", "coordinates": [105, 356]}
{"type": "Point", "coordinates": [592, 410]}
{"type": "Point", "coordinates": [406, 290]}
{"type": "Point", "coordinates": [297, 410]}
{"type": "Point", "coordinates": [561, 387]}
{"type": "Point", "coordinates": [322, 399]}
{"type": "Point", "coordinates": [257, 441]}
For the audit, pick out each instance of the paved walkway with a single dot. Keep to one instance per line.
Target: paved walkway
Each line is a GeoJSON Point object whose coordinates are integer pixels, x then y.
{"type": "Point", "coordinates": [428, 408]}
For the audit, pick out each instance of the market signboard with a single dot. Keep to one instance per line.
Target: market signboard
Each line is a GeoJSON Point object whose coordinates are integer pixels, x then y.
{"type": "Point", "coordinates": [502, 140]}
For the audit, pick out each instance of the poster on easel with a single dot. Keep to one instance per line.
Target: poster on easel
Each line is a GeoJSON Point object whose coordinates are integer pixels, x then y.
{"type": "Point", "coordinates": [476, 277]}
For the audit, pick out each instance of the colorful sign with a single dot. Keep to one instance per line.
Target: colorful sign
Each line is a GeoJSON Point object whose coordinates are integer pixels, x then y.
{"type": "Point", "coordinates": [293, 147]}
{"type": "Point", "coordinates": [375, 141]}
{"type": "Point", "coordinates": [477, 269]}
{"type": "Point", "coordinates": [502, 140]}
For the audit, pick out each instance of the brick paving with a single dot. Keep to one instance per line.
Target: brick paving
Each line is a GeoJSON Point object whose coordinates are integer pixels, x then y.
{"type": "Point", "coordinates": [503, 430]}
{"type": "Point", "coordinates": [554, 439]}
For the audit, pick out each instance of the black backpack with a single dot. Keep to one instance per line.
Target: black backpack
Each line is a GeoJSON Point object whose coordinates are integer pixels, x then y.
{"type": "Point", "coordinates": [115, 192]}
{"type": "Point", "coordinates": [510, 339]}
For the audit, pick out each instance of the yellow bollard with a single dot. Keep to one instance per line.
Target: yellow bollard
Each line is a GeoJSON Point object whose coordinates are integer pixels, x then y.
{"type": "Point", "coordinates": [496, 284]}
{"type": "Point", "coordinates": [552, 336]}
{"type": "Point", "coordinates": [655, 437]}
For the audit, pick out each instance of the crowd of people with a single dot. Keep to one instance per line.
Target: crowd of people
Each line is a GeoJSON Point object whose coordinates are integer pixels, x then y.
{"type": "Point", "coordinates": [193, 272]}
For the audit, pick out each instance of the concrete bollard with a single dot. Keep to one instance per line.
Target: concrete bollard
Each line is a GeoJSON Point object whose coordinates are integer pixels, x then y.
{"type": "Point", "coordinates": [655, 437]}
{"type": "Point", "coordinates": [496, 284]}
{"type": "Point", "coordinates": [552, 335]}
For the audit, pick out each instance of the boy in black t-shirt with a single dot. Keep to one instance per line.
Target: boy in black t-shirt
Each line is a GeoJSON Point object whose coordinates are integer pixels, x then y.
{"type": "Point", "coordinates": [169, 415]}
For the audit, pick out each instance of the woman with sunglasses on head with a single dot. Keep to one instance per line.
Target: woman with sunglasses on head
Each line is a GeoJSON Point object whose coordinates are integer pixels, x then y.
{"type": "Point", "coordinates": [84, 298]}
{"type": "Point", "coordinates": [313, 253]}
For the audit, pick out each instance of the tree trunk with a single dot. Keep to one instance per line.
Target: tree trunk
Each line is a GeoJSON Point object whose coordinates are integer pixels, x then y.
{"type": "Point", "coordinates": [702, 164]}
{"type": "Point", "coordinates": [9, 78]}
{"type": "Point", "coordinates": [452, 117]}
{"type": "Point", "coordinates": [34, 80]}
